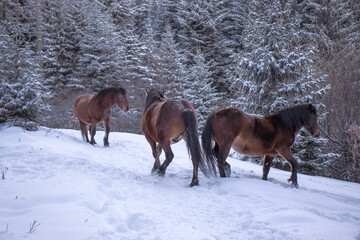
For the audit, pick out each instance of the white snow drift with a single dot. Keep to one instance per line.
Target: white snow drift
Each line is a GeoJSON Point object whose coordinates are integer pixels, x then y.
{"type": "Point", "coordinates": [72, 190]}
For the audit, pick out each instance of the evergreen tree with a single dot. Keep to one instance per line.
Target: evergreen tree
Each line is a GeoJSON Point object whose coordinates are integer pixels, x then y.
{"type": "Point", "coordinates": [230, 19]}
{"type": "Point", "coordinates": [196, 30]}
{"type": "Point", "coordinates": [21, 93]}
{"type": "Point", "coordinates": [275, 70]}
{"type": "Point", "coordinates": [99, 52]}
{"type": "Point", "coordinates": [198, 91]}
{"type": "Point", "coordinates": [334, 28]}
{"type": "Point", "coordinates": [168, 69]}
{"type": "Point", "coordinates": [152, 58]}
{"type": "Point", "coordinates": [61, 44]}
{"type": "Point", "coordinates": [134, 69]}
{"type": "Point", "coordinates": [330, 25]}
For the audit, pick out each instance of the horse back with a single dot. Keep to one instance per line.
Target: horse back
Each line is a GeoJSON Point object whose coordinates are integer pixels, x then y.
{"type": "Point", "coordinates": [164, 120]}
{"type": "Point", "coordinates": [247, 134]}
{"type": "Point", "coordinates": [228, 123]}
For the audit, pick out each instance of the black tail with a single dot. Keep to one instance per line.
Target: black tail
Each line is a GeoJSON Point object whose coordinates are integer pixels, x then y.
{"type": "Point", "coordinates": [192, 141]}
{"type": "Point", "coordinates": [206, 139]}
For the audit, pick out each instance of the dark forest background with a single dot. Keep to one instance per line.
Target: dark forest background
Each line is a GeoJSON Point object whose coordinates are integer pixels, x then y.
{"type": "Point", "coordinates": [259, 56]}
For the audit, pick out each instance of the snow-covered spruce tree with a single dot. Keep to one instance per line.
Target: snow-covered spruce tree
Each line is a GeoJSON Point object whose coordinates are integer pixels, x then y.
{"type": "Point", "coordinates": [330, 25]}
{"type": "Point", "coordinates": [196, 31]}
{"type": "Point", "coordinates": [276, 71]}
{"type": "Point", "coordinates": [334, 28]}
{"type": "Point", "coordinates": [20, 90]}
{"type": "Point", "coordinates": [196, 88]}
{"type": "Point", "coordinates": [62, 23]}
{"type": "Point", "coordinates": [99, 65]}
{"type": "Point", "coordinates": [229, 18]}
{"type": "Point", "coordinates": [166, 66]}
{"type": "Point", "coordinates": [135, 76]}
{"type": "Point", "coordinates": [134, 68]}
{"type": "Point", "coordinates": [61, 45]}
{"type": "Point", "coordinates": [152, 58]}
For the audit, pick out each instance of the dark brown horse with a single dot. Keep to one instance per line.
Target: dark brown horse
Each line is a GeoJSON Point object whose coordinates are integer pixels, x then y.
{"type": "Point", "coordinates": [168, 121]}
{"type": "Point", "coordinates": [268, 136]}
{"type": "Point", "coordinates": [92, 109]}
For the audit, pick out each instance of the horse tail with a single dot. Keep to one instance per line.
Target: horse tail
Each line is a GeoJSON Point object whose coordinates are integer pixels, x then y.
{"type": "Point", "coordinates": [206, 138]}
{"type": "Point", "coordinates": [192, 141]}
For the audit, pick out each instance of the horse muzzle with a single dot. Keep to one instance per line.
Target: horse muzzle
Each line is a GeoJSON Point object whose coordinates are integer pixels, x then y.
{"type": "Point", "coordinates": [316, 133]}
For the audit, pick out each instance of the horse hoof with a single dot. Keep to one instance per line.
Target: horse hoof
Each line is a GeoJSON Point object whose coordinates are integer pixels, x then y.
{"type": "Point", "coordinates": [106, 145]}
{"type": "Point", "coordinates": [227, 170]}
{"type": "Point", "coordinates": [158, 172]}
{"type": "Point", "coordinates": [294, 184]}
{"type": "Point", "coordinates": [194, 183]}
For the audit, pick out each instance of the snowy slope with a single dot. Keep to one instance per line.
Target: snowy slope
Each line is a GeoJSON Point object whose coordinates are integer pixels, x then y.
{"type": "Point", "coordinates": [77, 191]}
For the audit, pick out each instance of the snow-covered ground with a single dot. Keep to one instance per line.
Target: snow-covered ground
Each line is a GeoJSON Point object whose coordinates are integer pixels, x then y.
{"type": "Point", "coordinates": [76, 191]}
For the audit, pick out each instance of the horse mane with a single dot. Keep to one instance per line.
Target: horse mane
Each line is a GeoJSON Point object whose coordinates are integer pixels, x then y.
{"type": "Point", "coordinates": [295, 116]}
{"type": "Point", "coordinates": [153, 96]}
{"type": "Point", "coordinates": [111, 90]}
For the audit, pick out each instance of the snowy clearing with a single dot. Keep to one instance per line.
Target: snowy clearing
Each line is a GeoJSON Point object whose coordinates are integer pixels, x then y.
{"type": "Point", "coordinates": [76, 191]}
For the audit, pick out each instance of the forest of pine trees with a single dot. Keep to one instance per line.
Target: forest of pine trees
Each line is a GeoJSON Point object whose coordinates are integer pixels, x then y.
{"type": "Point", "coordinates": [256, 55]}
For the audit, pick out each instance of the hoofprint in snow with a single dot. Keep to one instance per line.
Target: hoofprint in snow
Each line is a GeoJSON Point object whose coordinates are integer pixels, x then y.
{"type": "Point", "coordinates": [76, 191]}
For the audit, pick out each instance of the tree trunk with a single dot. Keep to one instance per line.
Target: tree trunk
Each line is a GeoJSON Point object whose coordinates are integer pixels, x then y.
{"type": "Point", "coordinates": [38, 28]}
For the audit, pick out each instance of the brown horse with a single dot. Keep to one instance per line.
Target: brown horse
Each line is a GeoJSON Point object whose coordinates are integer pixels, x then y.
{"type": "Point", "coordinates": [270, 136]}
{"type": "Point", "coordinates": [92, 109]}
{"type": "Point", "coordinates": [166, 122]}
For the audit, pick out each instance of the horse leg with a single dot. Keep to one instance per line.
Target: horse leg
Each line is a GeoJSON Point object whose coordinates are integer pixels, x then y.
{"type": "Point", "coordinates": [93, 132]}
{"type": "Point", "coordinates": [156, 155]}
{"type": "Point", "coordinates": [266, 166]}
{"type": "Point", "coordinates": [107, 131]}
{"type": "Point", "coordinates": [169, 155]}
{"type": "Point", "coordinates": [221, 154]}
{"type": "Point", "coordinates": [90, 132]}
{"type": "Point", "coordinates": [287, 155]}
{"type": "Point", "coordinates": [156, 151]}
{"type": "Point", "coordinates": [227, 169]}
{"type": "Point", "coordinates": [195, 179]}
{"type": "Point", "coordinates": [84, 131]}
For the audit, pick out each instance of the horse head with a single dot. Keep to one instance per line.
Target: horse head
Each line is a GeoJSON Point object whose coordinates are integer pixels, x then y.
{"type": "Point", "coordinates": [152, 96]}
{"type": "Point", "coordinates": [120, 99]}
{"type": "Point", "coordinates": [311, 121]}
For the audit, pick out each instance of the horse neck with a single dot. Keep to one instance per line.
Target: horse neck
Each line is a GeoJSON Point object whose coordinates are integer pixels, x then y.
{"type": "Point", "coordinates": [104, 102]}
{"type": "Point", "coordinates": [294, 120]}
{"type": "Point", "coordinates": [154, 103]}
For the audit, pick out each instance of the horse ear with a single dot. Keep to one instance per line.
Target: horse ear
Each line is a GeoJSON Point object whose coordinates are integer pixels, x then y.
{"type": "Point", "coordinates": [146, 92]}
{"type": "Point", "coordinates": [312, 108]}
